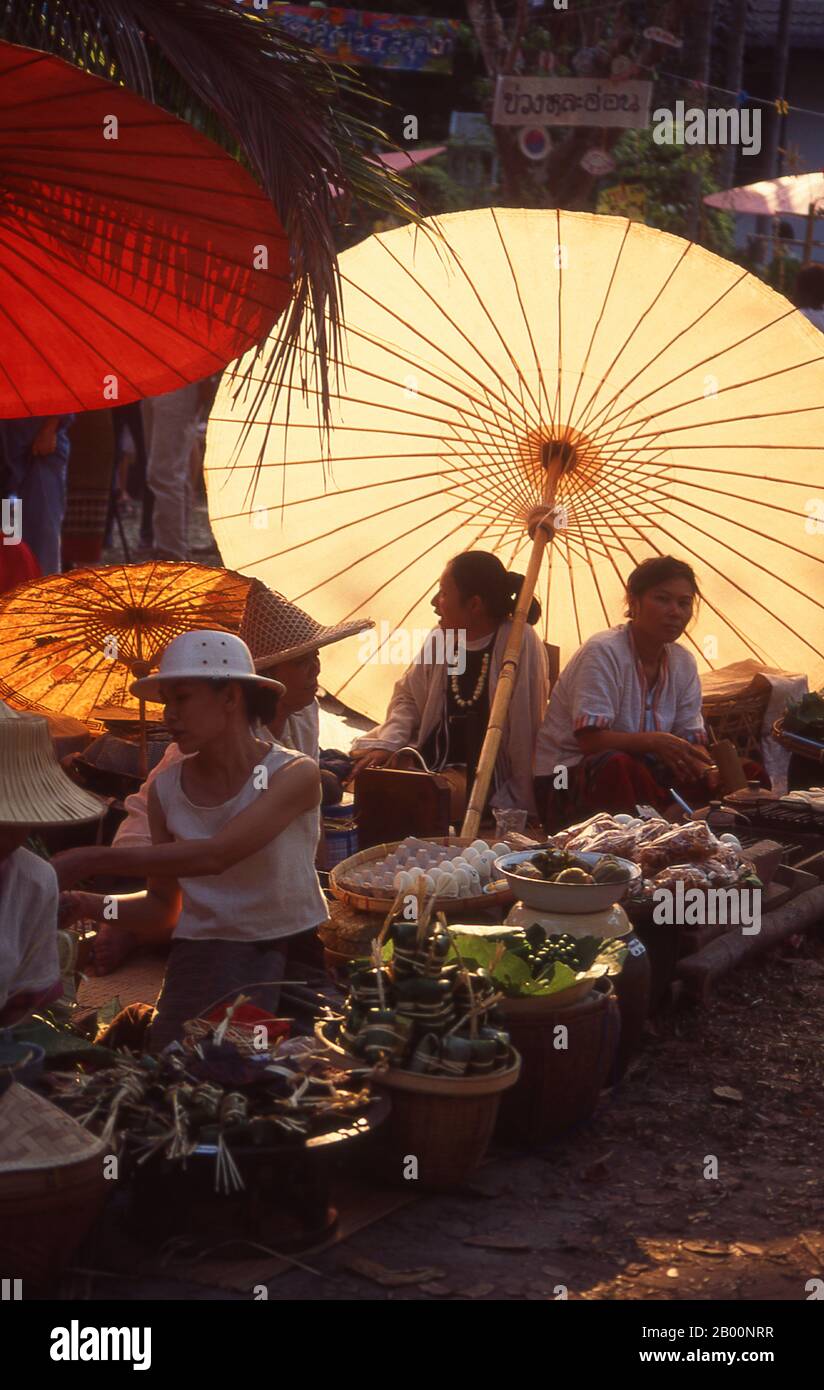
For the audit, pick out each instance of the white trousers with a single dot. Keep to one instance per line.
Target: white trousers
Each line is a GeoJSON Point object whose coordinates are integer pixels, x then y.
{"type": "Point", "coordinates": [170, 424]}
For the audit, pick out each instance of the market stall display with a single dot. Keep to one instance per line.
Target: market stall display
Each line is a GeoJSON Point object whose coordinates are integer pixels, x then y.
{"type": "Point", "coordinates": [553, 988]}
{"type": "Point", "coordinates": [664, 853]}
{"type": "Point", "coordinates": [236, 1142]}
{"type": "Point", "coordinates": [426, 1024]}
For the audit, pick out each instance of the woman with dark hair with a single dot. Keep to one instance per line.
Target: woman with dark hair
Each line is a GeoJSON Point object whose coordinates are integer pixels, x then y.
{"type": "Point", "coordinates": [624, 723]}
{"type": "Point", "coordinates": [442, 709]}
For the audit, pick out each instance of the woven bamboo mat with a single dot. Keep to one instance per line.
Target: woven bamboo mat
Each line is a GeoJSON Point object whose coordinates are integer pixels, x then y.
{"type": "Point", "coordinates": [136, 981]}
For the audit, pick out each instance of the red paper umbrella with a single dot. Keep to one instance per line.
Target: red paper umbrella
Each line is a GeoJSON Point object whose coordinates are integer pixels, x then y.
{"type": "Point", "coordinates": [135, 255]}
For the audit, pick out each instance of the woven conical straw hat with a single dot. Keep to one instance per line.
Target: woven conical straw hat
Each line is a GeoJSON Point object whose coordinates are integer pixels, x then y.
{"type": "Point", "coordinates": [277, 630]}
{"type": "Point", "coordinates": [34, 789]}
{"type": "Point", "coordinates": [35, 1134]}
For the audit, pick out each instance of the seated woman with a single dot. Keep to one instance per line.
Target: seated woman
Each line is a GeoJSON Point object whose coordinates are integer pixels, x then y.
{"type": "Point", "coordinates": [444, 714]}
{"type": "Point", "coordinates": [624, 722]}
{"type": "Point", "coordinates": [231, 868]}
{"type": "Point", "coordinates": [34, 792]}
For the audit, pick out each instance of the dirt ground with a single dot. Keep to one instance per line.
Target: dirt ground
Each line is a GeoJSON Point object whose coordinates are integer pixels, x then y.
{"type": "Point", "coordinates": [626, 1208]}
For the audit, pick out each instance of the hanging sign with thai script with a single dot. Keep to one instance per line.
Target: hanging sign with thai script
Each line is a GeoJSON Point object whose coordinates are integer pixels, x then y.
{"type": "Point", "coordinates": [571, 101]}
{"type": "Point", "coordinates": [410, 43]}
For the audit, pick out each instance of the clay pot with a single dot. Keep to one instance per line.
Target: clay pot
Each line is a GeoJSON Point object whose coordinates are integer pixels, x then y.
{"type": "Point", "coordinates": [558, 1086]}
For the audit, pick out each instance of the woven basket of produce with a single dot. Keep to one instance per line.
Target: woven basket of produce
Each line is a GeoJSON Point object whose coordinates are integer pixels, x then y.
{"type": "Point", "coordinates": [425, 1023]}
{"type": "Point", "coordinates": [52, 1186]}
{"type": "Point", "coordinates": [459, 871]}
{"type": "Point", "coordinates": [443, 1123]}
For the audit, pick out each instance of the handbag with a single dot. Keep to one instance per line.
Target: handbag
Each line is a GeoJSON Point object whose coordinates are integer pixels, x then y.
{"type": "Point", "coordinates": [392, 802]}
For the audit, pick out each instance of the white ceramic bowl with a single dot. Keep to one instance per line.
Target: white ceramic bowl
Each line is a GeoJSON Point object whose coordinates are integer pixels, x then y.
{"type": "Point", "coordinates": [565, 897]}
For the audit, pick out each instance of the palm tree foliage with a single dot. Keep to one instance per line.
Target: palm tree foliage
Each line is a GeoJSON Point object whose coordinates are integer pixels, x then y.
{"type": "Point", "coordinates": [261, 94]}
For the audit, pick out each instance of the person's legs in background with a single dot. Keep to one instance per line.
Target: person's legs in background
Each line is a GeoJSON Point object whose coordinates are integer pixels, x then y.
{"type": "Point", "coordinates": [35, 453]}
{"type": "Point", "coordinates": [170, 423]}
{"type": "Point", "coordinates": [131, 417]}
{"type": "Point", "coordinates": [43, 502]}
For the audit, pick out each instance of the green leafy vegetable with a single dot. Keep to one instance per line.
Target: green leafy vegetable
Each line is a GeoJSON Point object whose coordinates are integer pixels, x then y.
{"type": "Point", "coordinates": [526, 965]}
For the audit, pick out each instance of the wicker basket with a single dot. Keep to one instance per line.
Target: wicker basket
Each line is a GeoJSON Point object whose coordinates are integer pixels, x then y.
{"type": "Point", "coordinates": [739, 719]}
{"type": "Point", "coordinates": [52, 1187]}
{"type": "Point", "coordinates": [805, 748]}
{"type": "Point", "coordinates": [451, 906]}
{"type": "Point", "coordinates": [444, 1123]}
{"type": "Point", "coordinates": [559, 1087]}
{"type": "Point", "coordinates": [348, 932]}
{"type": "Point", "coordinates": [347, 936]}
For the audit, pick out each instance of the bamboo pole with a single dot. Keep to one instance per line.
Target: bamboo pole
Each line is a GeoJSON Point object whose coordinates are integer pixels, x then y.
{"type": "Point", "coordinates": [509, 665]}
{"type": "Point", "coordinates": [143, 763]}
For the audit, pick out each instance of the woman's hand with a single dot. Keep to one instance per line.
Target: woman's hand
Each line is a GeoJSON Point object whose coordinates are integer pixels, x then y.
{"type": "Point", "coordinates": [376, 757]}
{"type": "Point", "coordinates": [689, 761]}
{"type": "Point", "coordinates": [73, 865]}
{"type": "Point", "coordinates": [79, 907]}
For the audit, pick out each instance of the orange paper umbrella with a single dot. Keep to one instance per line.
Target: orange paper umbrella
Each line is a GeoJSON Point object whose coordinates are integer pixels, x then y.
{"type": "Point", "coordinates": [73, 643]}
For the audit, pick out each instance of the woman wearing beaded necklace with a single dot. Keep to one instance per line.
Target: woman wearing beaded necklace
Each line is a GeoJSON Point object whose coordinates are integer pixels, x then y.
{"type": "Point", "coordinates": [443, 711]}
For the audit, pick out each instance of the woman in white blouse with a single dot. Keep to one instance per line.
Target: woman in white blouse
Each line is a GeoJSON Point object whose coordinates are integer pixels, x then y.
{"type": "Point", "coordinates": [624, 722]}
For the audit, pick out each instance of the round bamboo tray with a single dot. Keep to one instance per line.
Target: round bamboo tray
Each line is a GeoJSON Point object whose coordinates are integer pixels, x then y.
{"type": "Point", "coordinates": [450, 906]}
{"type": "Point", "coordinates": [52, 1186]}
{"type": "Point", "coordinates": [805, 748]}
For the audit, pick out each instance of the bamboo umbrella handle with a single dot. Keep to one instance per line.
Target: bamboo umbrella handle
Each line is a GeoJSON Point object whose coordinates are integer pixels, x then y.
{"type": "Point", "coordinates": [509, 664]}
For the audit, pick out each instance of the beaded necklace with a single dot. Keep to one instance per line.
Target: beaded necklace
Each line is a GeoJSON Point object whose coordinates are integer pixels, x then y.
{"type": "Point", "coordinates": [479, 686]}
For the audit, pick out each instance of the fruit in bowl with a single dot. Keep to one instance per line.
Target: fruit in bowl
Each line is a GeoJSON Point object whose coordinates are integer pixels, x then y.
{"type": "Point", "coordinates": [560, 882]}
{"type": "Point", "coordinates": [557, 866]}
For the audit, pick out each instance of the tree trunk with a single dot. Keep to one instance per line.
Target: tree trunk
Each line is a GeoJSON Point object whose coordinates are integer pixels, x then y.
{"type": "Point", "coordinates": [697, 62]}
{"type": "Point", "coordinates": [734, 72]}
{"type": "Point", "coordinates": [488, 29]}
{"type": "Point", "coordinates": [776, 123]}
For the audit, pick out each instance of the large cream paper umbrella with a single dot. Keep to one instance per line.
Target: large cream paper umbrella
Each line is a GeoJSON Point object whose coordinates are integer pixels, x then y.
{"type": "Point", "coordinates": [692, 397]}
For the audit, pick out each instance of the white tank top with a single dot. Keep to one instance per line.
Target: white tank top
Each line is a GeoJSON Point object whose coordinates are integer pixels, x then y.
{"type": "Point", "coordinates": [273, 893]}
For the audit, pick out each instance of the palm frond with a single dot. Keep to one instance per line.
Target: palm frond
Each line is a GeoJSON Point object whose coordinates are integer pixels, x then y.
{"type": "Point", "coordinates": [264, 95]}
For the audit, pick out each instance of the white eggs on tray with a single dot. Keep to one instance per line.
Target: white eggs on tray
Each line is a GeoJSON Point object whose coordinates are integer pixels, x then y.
{"type": "Point", "coordinates": [448, 871]}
